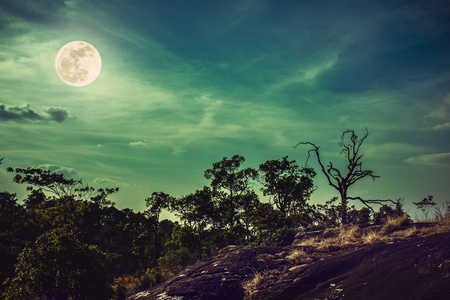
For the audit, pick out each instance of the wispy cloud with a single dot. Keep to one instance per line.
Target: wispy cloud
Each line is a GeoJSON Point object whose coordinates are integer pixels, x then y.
{"type": "Point", "coordinates": [430, 159]}
{"type": "Point", "coordinates": [66, 171]}
{"type": "Point", "coordinates": [439, 117]}
{"type": "Point", "coordinates": [137, 144]}
{"type": "Point", "coordinates": [305, 75]}
{"type": "Point", "coordinates": [110, 182]}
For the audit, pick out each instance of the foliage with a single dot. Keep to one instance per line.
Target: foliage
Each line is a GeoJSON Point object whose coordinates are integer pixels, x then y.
{"type": "Point", "coordinates": [425, 205]}
{"type": "Point", "coordinates": [174, 261]}
{"type": "Point", "coordinates": [289, 185]}
{"type": "Point", "coordinates": [58, 265]}
{"type": "Point", "coordinates": [59, 186]}
{"type": "Point", "coordinates": [196, 210]}
{"type": "Point", "coordinates": [385, 212]}
{"type": "Point", "coordinates": [226, 175]}
{"type": "Point", "coordinates": [68, 240]}
{"type": "Point", "coordinates": [330, 215]}
{"type": "Point", "coordinates": [156, 203]}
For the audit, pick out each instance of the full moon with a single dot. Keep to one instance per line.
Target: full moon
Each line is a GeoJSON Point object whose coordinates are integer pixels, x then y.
{"type": "Point", "coordinates": [78, 63]}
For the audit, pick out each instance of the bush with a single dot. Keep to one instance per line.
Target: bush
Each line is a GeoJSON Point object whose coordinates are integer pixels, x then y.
{"type": "Point", "coordinates": [57, 265]}
{"type": "Point", "coordinates": [174, 261]}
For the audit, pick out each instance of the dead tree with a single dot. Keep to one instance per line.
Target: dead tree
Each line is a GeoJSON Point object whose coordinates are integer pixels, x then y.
{"type": "Point", "coordinates": [342, 181]}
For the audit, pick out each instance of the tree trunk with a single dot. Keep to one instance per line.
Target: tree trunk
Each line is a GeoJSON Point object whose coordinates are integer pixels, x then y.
{"type": "Point", "coordinates": [200, 246]}
{"type": "Point", "coordinates": [344, 208]}
{"type": "Point", "coordinates": [231, 216]}
{"type": "Point", "coordinates": [155, 261]}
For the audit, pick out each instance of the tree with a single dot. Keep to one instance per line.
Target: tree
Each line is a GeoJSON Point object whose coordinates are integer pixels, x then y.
{"type": "Point", "coordinates": [343, 180]}
{"type": "Point", "coordinates": [66, 202]}
{"type": "Point", "coordinates": [197, 210]}
{"type": "Point", "coordinates": [289, 185]}
{"type": "Point", "coordinates": [425, 205]}
{"type": "Point", "coordinates": [14, 234]}
{"type": "Point", "coordinates": [227, 175]}
{"type": "Point", "coordinates": [58, 266]}
{"type": "Point", "coordinates": [387, 211]}
{"type": "Point", "coordinates": [156, 203]}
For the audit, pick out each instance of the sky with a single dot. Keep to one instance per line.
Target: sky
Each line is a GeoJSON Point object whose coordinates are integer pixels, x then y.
{"type": "Point", "coordinates": [185, 83]}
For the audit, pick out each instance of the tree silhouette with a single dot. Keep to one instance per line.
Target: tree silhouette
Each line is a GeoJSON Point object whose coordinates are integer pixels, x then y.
{"type": "Point", "coordinates": [196, 210]}
{"type": "Point", "coordinates": [156, 203]}
{"type": "Point", "coordinates": [343, 180]}
{"type": "Point", "coordinates": [289, 185]}
{"type": "Point", "coordinates": [226, 175]}
{"type": "Point", "coordinates": [425, 205]}
{"type": "Point", "coordinates": [59, 266]}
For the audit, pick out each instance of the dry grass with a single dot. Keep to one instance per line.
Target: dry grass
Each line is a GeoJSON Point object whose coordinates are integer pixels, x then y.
{"type": "Point", "coordinates": [299, 256]}
{"type": "Point", "coordinates": [312, 241]}
{"type": "Point", "coordinates": [406, 233]}
{"type": "Point", "coordinates": [251, 286]}
{"type": "Point", "coordinates": [444, 224]}
{"type": "Point", "coordinates": [348, 236]}
{"type": "Point", "coordinates": [394, 224]}
{"type": "Point", "coordinates": [338, 237]}
{"type": "Point", "coordinates": [372, 237]}
{"type": "Point", "coordinates": [394, 229]}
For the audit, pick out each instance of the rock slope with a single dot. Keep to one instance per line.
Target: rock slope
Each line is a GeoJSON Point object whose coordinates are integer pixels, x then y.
{"type": "Point", "coordinates": [416, 268]}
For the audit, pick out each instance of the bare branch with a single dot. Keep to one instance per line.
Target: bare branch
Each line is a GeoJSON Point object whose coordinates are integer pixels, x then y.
{"type": "Point", "coordinates": [316, 151]}
{"type": "Point", "coordinates": [367, 202]}
{"type": "Point", "coordinates": [351, 146]}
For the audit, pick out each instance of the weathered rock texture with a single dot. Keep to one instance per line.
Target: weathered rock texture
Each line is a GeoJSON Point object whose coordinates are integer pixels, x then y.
{"type": "Point", "coordinates": [417, 268]}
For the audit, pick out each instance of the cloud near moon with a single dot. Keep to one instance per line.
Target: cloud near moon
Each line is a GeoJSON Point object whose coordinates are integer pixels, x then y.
{"type": "Point", "coordinates": [25, 113]}
{"type": "Point", "coordinates": [78, 63]}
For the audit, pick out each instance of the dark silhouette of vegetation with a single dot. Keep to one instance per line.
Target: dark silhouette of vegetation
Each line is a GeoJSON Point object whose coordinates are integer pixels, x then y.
{"type": "Point", "coordinates": [67, 240]}
{"type": "Point", "coordinates": [289, 185]}
{"type": "Point", "coordinates": [157, 202]}
{"type": "Point", "coordinates": [425, 205]}
{"type": "Point", "coordinates": [226, 175]}
{"type": "Point", "coordinates": [343, 180]}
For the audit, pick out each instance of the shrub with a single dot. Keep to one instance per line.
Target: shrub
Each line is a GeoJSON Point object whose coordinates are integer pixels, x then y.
{"type": "Point", "coordinates": [57, 266]}
{"type": "Point", "coordinates": [174, 261]}
{"type": "Point", "coordinates": [394, 223]}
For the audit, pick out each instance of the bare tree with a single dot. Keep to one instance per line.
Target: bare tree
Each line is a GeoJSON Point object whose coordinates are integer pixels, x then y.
{"type": "Point", "coordinates": [343, 180]}
{"type": "Point", "coordinates": [425, 205]}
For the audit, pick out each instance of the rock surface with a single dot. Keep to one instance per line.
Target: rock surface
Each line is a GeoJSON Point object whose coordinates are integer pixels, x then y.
{"type": "Point", "coordinates": [417, 268]}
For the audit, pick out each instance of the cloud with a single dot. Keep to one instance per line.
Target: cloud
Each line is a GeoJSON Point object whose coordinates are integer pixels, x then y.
{"type": "Point", "coordinates": [25, 113]}
{"type": "Point", "coordinates": [440, 116]}
{"type": "Point", "coordinates": [306, 74]}
{"type": "Point", "coordinates": [136, 144]}
{"type": "Point", "coordinates": [67, 172]}
{"type": "Point", "coordinates": [18, 112]}
{"type": "Point", "coordinates": [109, 181]}
{"type": "Point", "coordinates": [430, 159]}
{"type": "Point", "coordinates": [57, 114]}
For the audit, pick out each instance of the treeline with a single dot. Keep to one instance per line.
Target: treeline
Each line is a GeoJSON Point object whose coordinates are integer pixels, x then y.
{"type": "Point", "coordinates": [68, 240]}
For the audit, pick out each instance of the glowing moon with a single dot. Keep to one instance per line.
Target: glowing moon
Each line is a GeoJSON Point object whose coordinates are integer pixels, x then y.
{"type": "Point", "coordinates": [78, 63]}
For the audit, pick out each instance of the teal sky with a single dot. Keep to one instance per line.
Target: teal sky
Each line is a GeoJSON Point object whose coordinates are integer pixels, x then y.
{"type": "Point", "coordinates": [185, 83]}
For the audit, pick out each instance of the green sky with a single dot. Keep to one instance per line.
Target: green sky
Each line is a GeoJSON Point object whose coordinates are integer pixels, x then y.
{"type": "Point", "coordinates": [185, 83]}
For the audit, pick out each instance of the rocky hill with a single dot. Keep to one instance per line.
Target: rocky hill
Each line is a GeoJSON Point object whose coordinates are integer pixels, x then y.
{"type": "Point", "coordinates": [397, 262]}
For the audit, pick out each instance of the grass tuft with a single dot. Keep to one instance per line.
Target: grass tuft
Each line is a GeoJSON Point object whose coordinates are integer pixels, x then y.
{"type": "Point", "coordinates": [372, 237]}
{"type": "Point", "coordinates": [251, 286]}
{"type": "Point", "coordinates": [395, 223]}
{"type": "Point", "coordinates": [299, 256]}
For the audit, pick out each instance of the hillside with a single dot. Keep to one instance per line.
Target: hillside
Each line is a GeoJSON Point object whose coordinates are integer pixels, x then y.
{"type": "Point", "coordinates": [394, 261]}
